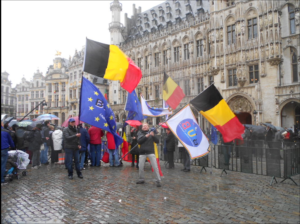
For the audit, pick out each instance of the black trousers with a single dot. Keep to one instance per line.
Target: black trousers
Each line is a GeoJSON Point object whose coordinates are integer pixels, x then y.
{"type": "Point", "coordinates": [54, 155]}
{"type": "Point", "coordinates": [170, 155]}
{"type": "Point", "coordinates": [137, 159]}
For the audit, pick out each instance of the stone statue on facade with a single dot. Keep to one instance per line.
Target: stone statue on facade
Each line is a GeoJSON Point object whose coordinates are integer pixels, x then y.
{"type": "Point", "coordinates": [270, 19]}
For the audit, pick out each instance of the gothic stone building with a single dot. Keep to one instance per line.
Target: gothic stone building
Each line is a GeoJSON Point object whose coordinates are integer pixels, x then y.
{"type": "Point", "coordinates": [249, 49]}
{"type": "Point", "coordinates": [8, 96]}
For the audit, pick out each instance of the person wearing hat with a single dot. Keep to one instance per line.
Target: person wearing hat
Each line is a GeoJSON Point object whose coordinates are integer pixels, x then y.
{"type": "Point", "coordinates": [72, 147]}
{"type": "Point", "coordinates": [6, 143]}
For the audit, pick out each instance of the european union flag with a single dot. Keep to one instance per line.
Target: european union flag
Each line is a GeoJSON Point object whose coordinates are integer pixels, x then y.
{"type": "Point", "coordinates": [95, 110]}
{"type": "Point", "coordinates": [214, 135]}
{"type": "Point", "coordinates": [134, 107]}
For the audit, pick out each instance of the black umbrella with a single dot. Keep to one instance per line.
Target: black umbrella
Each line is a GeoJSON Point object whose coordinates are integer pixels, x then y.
{"type": "Point", "coordinates": [12, 122]}
{"type": "Point", "coordinates": [7, 120]}
{"type": "Point", "coordinates": [270, 126]}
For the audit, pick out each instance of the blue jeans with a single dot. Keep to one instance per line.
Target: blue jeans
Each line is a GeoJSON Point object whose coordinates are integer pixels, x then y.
{"type": "Point", "coordinates": [70, 154]}
{"type": "Point", "coordinates": [4, 156]}
{"type": "Point", "coordinates": [113, 152]}
{"type": "Point", "coordinates": [95, 154]}
{"type": "Point", "coordinates": [82, 158]}
{"type": "Point", "coordinates": [44, 154]}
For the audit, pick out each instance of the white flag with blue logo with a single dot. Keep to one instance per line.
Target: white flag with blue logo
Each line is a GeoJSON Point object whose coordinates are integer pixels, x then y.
{"type": "Point", "coordinates": [153, 112]}
{"type": "Point", "coordinates": [184, 126]}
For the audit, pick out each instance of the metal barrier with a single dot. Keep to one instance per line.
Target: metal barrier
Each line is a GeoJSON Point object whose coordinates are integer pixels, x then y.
{"type": "Point", "coordinates": [277, 159]}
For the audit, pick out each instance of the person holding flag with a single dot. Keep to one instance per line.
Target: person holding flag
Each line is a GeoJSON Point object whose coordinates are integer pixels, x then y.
{"type": "Point", "coordinates": [113, 151]}
{"type": "Point", "coordinates": [146, 139]}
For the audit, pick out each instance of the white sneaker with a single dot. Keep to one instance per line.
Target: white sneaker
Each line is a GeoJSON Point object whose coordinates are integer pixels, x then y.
{"type": "Point", "coordinates": [35, 167]}
{"type": "Point", "coordinates": [40, 165]}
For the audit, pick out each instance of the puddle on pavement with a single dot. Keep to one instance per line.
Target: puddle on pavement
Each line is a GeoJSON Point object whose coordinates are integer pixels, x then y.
{"type": "Point", "coordinates": [220, 187]}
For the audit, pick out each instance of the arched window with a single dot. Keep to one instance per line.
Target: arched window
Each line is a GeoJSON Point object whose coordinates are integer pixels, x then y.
{"type": "Point", "coordinates": [292, 19]}
{"type": "Point", "coordinates": [294, 67]}
{"type": "Point", "coordinates": [63, 117]}
{"type": "Point", "coordinates": [37, 84]}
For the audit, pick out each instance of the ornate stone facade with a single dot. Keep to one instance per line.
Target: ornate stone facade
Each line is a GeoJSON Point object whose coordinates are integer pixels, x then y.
{"type": "Point", "coordinates": [240, 46]}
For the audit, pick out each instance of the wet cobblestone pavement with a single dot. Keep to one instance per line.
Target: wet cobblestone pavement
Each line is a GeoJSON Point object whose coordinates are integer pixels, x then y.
{"type": "Point", "coordinates": [110, 195]}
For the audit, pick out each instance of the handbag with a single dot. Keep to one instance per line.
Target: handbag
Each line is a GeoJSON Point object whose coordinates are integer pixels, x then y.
{"type": "Point", "coordinates": [105, 157]}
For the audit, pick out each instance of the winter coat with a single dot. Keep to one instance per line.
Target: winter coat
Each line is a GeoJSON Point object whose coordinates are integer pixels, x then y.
{"type": "Point", "coordinates": [147, 146]}
{"type": "Point", "coordinates": [84, 139]}
{"type": "Point", "coordinates": [36, 141]}
{"type": "Point", "coordinates": [170, 140]}
{"type": "Point", "coordinates": [45, 133]}
{"type": "Point", "coordinates": [57, 138]}
{"type": "Point", "coordinates": [95, 135]}
{"type": "Point", "coordinates": [135, 151]}
{"type": "Point", "coordinates": [110, 141]}
{"type": "Point", "coordinates": [71, 141]}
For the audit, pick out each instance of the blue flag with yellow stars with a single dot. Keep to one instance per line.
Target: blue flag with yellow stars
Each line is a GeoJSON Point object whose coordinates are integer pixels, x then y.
{"type": "Point", "coordinates": [94, 110]}
{"type": "Point", "coordinates": [134, 107]}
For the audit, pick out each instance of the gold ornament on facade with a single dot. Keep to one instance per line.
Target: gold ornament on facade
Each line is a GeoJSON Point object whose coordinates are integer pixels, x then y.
{"type": "Point", "coordinates": [240, 104]}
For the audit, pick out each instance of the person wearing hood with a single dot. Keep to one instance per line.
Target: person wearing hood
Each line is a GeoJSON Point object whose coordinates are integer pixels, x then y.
{"type": "Point", "coordinates": [146, 140]}
{"type": "Point", "coordinates": [35, 143]}
{"type": "Point", "coordinates": [72, 147]}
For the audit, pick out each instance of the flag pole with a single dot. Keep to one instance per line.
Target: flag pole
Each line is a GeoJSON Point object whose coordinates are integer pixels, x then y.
{"type": "Point", "coordinates": [80, 96]}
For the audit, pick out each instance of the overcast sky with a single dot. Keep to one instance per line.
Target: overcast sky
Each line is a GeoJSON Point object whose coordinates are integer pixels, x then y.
{"type": "Point", "coordinates": [32, 31]}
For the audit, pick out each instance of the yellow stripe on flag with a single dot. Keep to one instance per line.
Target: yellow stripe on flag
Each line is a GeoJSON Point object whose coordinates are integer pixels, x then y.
{"type": "Point", "coordinates": [117, 64]}
{"type": "Point", "coordinates": [219, 115]}
{"type": "Point", "coordinates": [171, 85]}
{"type": "Point", "coordinates": [155, 150]}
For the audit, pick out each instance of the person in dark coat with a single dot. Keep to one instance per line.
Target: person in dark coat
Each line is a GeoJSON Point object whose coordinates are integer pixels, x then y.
{"type": "Point", "coordinates": [146, 140]}
{"type": "Point", "coordinates": [72, 147]}
{"type": "Point", "coordinates": [134, 152]}
{"type": "Point", "coordinates": [84, 142]}
{"type": "Point", "coordinates": [47, 143]}
{"type": "Point", "coordinates": [269, 137]}
{"type": "Point", "coordinates": [35, 146]}
{"type": "Point", "coordinates": [170, 140]}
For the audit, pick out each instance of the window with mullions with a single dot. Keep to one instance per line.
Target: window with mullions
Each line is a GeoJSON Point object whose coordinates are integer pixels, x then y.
{"type": "Point", "coordinates": [124, 96]}
{"type": "Point", "coordinates": [231, 34]}
{"type": "Point", "coordinates": [56, 101]}
{"type": "Point", "coordinates": [146, 62]}
{"type": "Point", "coordinates": [252, 28]}
{"type": "Point", "coordinates": [139, 62]}
{"type": "Point", "coordinates": [292, 19]}
{"type": "Point", "coordinates": [211, 79]}
{"type": "Point", "coordinates": [232, 81]}
{"type": "Point", "coordinates": [146, 93]}
{"type": "Point", "coordinates": [200, 85]}
{"type": "Point", "coordinates": [253, 74]}
{"type": "Point", "coordinates": [165, 57]}
{"type": "Point", "coordinates": [186, 52]}
{"type": "Point", "coordinates": [230, 3]}
{"type": "Point", "coordinates": [199, 44]}
{"type": "Point", "coordinates": [187, 88]}
{"type": "Point", "coordinates": [294, 67]}
{"type": "Point", "coordinates": [157, 92]}
{"type": "Point", "coordinates": [176, 54]}
{"type": "Point", "coordinates": [156, 59]}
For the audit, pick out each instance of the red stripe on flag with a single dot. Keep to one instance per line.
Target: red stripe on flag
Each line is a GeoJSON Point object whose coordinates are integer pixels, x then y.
{"type": "Point", "coordinates": [159, 169]}
{"type": "Point", "coordinates": [233, 129]}
{"type": "Point", "coordinates": [175, 98]}
{"type": "Point", "coordinates": [132, 77]}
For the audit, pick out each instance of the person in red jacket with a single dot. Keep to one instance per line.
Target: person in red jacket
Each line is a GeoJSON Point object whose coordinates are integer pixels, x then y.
{"type": "Point", "coordinates": [95, 145]}
{"type": "Point", "coordinates": [113, 152]}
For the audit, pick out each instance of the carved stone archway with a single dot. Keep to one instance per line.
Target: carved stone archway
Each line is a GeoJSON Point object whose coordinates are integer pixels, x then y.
{"type": "Point", "coordinates": [242, 108]}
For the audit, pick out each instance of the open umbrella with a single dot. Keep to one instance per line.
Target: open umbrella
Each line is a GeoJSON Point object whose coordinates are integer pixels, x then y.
{"type": "Point", "coordinates": [270, 126]}
{"type": "Point", "coordinates": [12, 122]}
{"type": "Point", "coordinates": [280, 128]}
{"type": "Point", "coordinates": [164, 125]}
{"type": "Point", "coordinates": [24, 123]}
{"type": "Point", "coordinates": [46, 117]}
{"type": "Point", "coordinates": [34, 123]}
{"type": "Point", "coordinates": [133, 123]}
{"type": "Point", "coordinates": [77, 121]}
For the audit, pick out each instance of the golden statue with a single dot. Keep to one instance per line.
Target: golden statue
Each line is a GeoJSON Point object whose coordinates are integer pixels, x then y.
{"type": "Point", "coordinates": [58, 53]}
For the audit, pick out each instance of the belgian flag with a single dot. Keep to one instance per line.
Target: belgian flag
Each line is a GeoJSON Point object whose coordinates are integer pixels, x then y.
{"type": "Point", "coordinates": [214, 108]}
{"type": "Point", "coordinates": [172, 93]}
{"type": "Point", "coordinates": [109, 62]}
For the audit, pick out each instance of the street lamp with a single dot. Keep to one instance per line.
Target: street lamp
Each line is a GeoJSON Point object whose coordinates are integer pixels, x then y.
{"type": "Point", "coordinates": [254, 113]}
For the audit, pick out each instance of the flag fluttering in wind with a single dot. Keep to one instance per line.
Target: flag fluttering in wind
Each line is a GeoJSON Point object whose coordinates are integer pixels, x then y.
{"type": "Point", "coordinates": [105, 94]}
{"type": "Point", "coordinates": [153, 112]}
{"type": "Point", "coordinates": [214, 108]}
{"type": "Point", "coordinates": [109, 62]}
{"type": "Point", "coordinates": [184, 126]}
{"type": "Point", "coordinates": [172, 93]}
{"type": "Point", "coordinates": [95, 110]}
{"type": "Point", "coordinates": [134, 107]}
{"type": "Point", "coordinates": [214, 135]}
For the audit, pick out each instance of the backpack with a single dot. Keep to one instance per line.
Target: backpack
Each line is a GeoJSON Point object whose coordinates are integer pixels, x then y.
{"type": "Point", "coordinates": [29, 136]}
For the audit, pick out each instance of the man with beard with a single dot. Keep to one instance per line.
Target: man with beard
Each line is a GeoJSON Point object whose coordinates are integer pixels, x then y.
{"type": "Point", "coordinates": [72, 146]}
{"type": "Point", "coordinates": [146, 139]}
